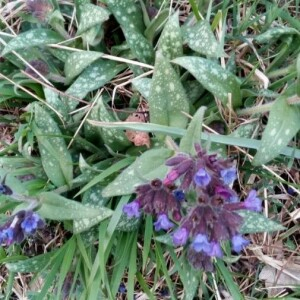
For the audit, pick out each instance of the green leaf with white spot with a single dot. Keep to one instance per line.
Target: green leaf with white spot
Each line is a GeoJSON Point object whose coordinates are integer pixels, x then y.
{"type": "Point", "coordinates": [113, 138]}
{"type": "Point", "coordinates": [167, 99]}
{"type": "Point", "coordinates": [244, 131]}
{"type": "Point", "coordinates": [190, 280]}
{"type": "Point", "coordinates": [60, 54]}
{"type": "Point", "coordinates": [56, 207]}
{"type": "Point", "coordinates": [58, 104]}
{"type": "Point", "coordinates": [78, 61]}
{"type": "Point", "coordinates": [165, 239]}
{"type": "Point", "coordinates": [143, 85]}
{"type": "Point", "coordinates": [92, 36]}
{"type": "Point", "coordinates": [150, 165]}
{"type": "Point", "coordinates": [275, 33]}
{"type": "Point", "coordinates": [91, 198]}
{"type": "Point", "coordinates": [170, 41]}
{"type": "Point", "coordinates": [34, 264]}
{"type": "Point", "coordinates": [139, 45]}
{"type": "Point", "coordinates": [127, 13]}
{"type": "Point", "coordinates": [56, 159]}
{"type": "Point", "coordinates": [92, 78]}
{"type": "Point", "coordinates": [128, 224]}
{"type": "Point", "coordinates": [254, 222]}
{"type": "Point", "coordinates": [201, 39]}
{"type": "Point", "coordinates": [283, 124]}
{"type": "Point", "coordinates": [32, 38]}
{"type": "Point", "coordinates": [6, 68]}
{"type": "Point", "coordinates": [213, 77]}
{"type": "Point", "coordinates": [90, 16]}
{"type": "Point", "coordinates": [193, 133]}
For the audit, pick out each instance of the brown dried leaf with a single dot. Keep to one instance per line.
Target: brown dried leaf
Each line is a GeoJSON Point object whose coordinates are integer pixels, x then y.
{"type": "Point", "coordinates": [139, 138]}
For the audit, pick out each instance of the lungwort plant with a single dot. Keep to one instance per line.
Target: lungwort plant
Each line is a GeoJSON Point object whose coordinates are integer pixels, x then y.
{"type": "Point", "coordinates": [145, 146]}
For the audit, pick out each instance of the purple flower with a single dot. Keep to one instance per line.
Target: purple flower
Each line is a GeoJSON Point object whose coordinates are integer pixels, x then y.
{"type": "Point", "coordinates": [202, 178]}
{"type": "Point", "coordinates": [252, 202]}
{"type": "Point", "coordinates": [201, 243]}
{"type": "Point", "coordinates": [180, 236]}
{"type": "Point", "coordinates": [216, 250]}
{"type": "Point", "coordinates": [132, 209]}
{"type": "Point", "coordinates": [179, 195]}
{"type": "Point", "coordinates": [30, 223]}
{"type": "Point", "coordinates": [163, 223]}
{"type": "Point", "coordinates": [229, 175]}
{"type": "Point", "coordinates": [238, 243]}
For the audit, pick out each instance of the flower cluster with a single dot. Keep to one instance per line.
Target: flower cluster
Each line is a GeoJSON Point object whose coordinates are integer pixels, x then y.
{"type": "Point", "coordinates": [196, 194]}
{"type": "Point", "coordinates": [20, 225]}
{"type": "Point", "coordinates": [39, 8]}
{"type": "Point", "coordinates": [38, 65]}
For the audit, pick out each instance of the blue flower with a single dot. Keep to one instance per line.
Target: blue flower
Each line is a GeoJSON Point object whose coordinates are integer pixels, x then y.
{"type": "Point", "coordinates": [238, 243]}
{"type": "Point", "coordinates": [180, 236]}
{"type": "Point", "coordinates": [5, 190]}
{"type": "Point", "coordinates": [7, 236]}
{"type": "Point", "coordinates": [202, 178]}
{"type": "Point", "coordinates": [163, 223]}
{"type": "Point", "coordinates": [122, 288]}
{"type": "Point", "coordinates": [216, 250]}
{"type": "Point", "coordinates": [201, 243]}
{"type": "Point", "coordinates": [252, 202]}
{"type": "Point", "coordinates": [229, 175]}
{"type": "Point", "coordinates": [31, 222]}
{"type": "Point", "coordinates": [179, 195]}
{"type": "Point", "coordinates": [132, 209]}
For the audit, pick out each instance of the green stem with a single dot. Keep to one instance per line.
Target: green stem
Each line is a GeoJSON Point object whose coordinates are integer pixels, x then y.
{"type": "Point", "coordinates": [294, 100]}
{"type": "Point", "coordinates": [195, 10]}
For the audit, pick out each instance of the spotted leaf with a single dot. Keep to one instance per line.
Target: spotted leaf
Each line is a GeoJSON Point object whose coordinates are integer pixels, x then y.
{"type": "Point", "coordinates": [274, 33]}
{"type": "Point", "coordinates": [128, 224]}
{"type": "Point", "coordinates": [127, 13]}
{"type": "Point", "coordinates": [95, 76]}
{"type": "Point", "coordinates": [213, 77]}
{"type": "Point", "coordinates": [191, 279]}
{"type": "Point", "coordinates": [90, 16]}
{"type": "Point", "coordinates": [167, 99]}
{"type": "Point", "coordinates": [56, 158]}
{"type": "Point", "coordinates": [143, 86]}
{"type": "Point", "coordinates": [283, 124]}
{"type": "Point", "coordinates": [139, 45]}
{"type": "Point", "coordinates": [58, 104]}
{"type": "Point", "coordinates": [254, 222]}
{"type": "Point", "coordinates": [91, 198]}
{"type": "Point", "coordinates": [33, 264]}
{"type": "Point", "coordinates": [113, 138]}
{"type": "Point", "coordinates": [56, 207]}
{"type": "Point", "coordinates": [78, 61]}
{"type": "Point", "coordinates": [201, 39]}
{"type": "Point", "coordinates": [150, 165]}
{"type": "Point", "coordinates": [170, 41]}
{"type": "Point", "coordinates": [32, 38]}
